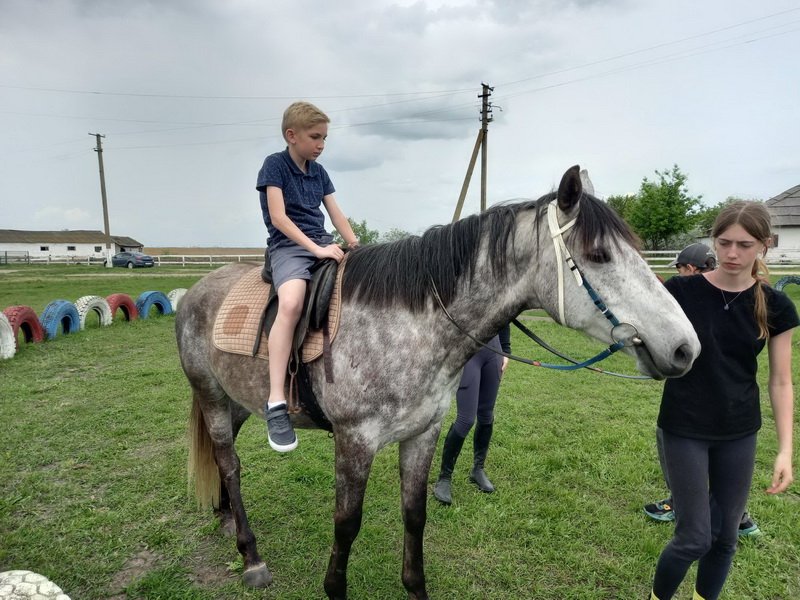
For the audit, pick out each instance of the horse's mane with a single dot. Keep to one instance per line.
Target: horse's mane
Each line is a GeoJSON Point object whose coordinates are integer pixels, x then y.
{"type": "Point", "coordinates": [400, 272]}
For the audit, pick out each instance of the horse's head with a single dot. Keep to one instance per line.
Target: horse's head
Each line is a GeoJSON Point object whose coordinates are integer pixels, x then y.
{"type": "Point", "coordinates": [582, 240]}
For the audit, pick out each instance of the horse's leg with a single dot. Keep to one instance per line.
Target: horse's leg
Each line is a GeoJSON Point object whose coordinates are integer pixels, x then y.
{"type": "Point", "coordinates": [416, 455]}
{"type": "Point", "coordinates": [220, 421]}
{"type": "Point", "coordinates": [224, 512]}
{"type": "Point", "coordinates": [353, 463]}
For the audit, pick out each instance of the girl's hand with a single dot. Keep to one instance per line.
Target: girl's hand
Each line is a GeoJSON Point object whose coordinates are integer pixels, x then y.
{"type": "Point", "coordinates": [505, 364]}
{"type": "Point", "coordinates": [781, 475]}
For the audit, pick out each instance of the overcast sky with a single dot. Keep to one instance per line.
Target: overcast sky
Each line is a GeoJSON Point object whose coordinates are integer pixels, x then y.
{"type": "Point", "coordinates": [189, 94]}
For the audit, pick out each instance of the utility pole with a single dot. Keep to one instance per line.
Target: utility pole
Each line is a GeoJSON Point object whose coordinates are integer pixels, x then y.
{"type": "Point", "coordinates": [99, 151]}
{"type": "Point", "coordinates": [480, 143]}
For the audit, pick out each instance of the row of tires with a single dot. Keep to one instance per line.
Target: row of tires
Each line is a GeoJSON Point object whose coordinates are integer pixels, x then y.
{"type": "Point", "coordinates": [67, 317]}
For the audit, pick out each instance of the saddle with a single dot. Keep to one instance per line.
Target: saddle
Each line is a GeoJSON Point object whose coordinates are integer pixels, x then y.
{"type": "Point", "coordinates": [248, 311]}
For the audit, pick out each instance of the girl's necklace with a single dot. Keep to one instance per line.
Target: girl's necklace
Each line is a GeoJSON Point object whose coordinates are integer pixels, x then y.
{"type": "Point", "coordinates": [725, 300]}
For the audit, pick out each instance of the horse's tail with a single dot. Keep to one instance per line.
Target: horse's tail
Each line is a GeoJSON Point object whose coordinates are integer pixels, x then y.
{"type": "Point", "coordinates": [201, 466]}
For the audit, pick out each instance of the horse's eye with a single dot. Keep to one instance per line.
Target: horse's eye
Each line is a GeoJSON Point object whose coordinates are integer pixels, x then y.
{"type": "Point", "coordinates": [598, 255]}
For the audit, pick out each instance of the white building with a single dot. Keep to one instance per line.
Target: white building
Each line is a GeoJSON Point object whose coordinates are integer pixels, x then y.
{"type": "Point", "coordinates": [784, 209]}
{"type": "Point", "coordinates": [76, 244]}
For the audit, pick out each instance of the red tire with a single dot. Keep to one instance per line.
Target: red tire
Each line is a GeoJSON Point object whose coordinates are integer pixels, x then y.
{"type": "Point", "coordinates": [124, 303]}
{"type": "Point", "coordinates": [23, 318]}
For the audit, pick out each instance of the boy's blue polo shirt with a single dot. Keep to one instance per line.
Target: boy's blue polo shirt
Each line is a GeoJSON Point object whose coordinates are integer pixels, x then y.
{"type": "Point", "coordinates": [302, 196]}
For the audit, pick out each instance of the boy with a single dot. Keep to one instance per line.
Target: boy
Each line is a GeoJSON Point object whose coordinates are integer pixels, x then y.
{"type": "Point", "coordinates": [291, 186]}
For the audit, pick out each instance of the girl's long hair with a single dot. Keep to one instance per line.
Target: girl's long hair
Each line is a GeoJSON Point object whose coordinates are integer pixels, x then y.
{"type": "Point", "coordinates": [754, 219]}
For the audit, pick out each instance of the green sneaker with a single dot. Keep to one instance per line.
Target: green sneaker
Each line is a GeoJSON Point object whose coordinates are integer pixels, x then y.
{"type": "Point", "coordinates": [748, 527]}
{"type": "Point", "coordinates": [661, 510]}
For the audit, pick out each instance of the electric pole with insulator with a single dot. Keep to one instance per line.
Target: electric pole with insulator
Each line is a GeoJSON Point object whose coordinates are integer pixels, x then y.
{"type": "Point", "coordinates": [99, 151]}
{"type": "Point", "coordinates": [480, 143]}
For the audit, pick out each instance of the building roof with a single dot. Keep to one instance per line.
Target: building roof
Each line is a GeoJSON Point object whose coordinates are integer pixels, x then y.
{"type": "Point", "coordinates": [76, 236]}
{"type": "Point", "coordinates": [784, 209]}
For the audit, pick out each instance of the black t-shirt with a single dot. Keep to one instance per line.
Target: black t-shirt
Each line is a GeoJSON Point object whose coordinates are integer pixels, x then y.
{"type": "Point", "coordinates": [718, 399]}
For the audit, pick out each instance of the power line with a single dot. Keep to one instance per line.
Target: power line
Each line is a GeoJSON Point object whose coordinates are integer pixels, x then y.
{"type": "Point", "coordinates": [649, 48]}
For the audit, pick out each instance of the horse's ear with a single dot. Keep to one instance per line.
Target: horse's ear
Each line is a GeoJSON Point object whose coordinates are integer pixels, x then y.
{"type": "Point", "coordinates": [570, 189]}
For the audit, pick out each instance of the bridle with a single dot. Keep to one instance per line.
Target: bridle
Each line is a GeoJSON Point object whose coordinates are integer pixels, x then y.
{"type": "Point", "coordinates": [622, 334]}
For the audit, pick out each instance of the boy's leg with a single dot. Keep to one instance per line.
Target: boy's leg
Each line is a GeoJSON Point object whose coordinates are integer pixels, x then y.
{"type": "Point", "coordinates": [290, 304]}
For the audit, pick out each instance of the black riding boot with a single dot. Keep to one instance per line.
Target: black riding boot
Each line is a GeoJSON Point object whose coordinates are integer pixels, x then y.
{"type": "Point", "coordinates": [483, 435]}
{"type": "Point", "coordinates": [452, 448]}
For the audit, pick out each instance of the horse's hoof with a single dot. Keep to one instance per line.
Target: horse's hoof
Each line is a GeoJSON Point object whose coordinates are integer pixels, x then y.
{"type": "Point", "coordinates": [258, 576]}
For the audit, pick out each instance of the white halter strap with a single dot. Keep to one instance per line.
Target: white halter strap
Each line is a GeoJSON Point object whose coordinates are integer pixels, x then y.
{"type": "Point", "coordinates": [562, 253]}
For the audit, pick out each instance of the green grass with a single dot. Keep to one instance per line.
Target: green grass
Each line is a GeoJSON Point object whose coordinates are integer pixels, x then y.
{"type": "Point", "coordinates": [93, 491]}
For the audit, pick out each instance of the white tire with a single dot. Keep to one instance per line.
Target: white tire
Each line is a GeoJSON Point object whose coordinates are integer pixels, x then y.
{"type": "Point", "coordinates": [175, 297]}
{"type": "Point", "coordinates": [86, 304]}
{"type": "Point", "coordinates": [8, 342]}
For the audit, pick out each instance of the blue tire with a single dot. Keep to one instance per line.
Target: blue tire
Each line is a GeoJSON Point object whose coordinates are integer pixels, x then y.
{"type": "Point", "coordinates": [60, 314]}
{"type": "Point", "coordinates": [784, 281]}
{"type": "Point", "coordinates": [147, 300]}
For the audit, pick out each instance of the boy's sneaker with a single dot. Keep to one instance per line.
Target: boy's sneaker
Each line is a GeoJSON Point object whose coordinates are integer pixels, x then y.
{"type": "Point", "coordinates": [748, 527]}
{"type": "Point", "coordinates": [661, 510]}
{"type": "Point", "coordinates": [279, 429]}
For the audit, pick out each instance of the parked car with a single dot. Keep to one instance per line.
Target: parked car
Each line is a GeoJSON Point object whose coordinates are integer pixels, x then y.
{"type": "Point", "coordinates": [132, 259]}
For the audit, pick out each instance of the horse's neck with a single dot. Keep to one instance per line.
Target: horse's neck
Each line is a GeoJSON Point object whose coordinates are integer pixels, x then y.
{"type": "Point", "coordinates": [488, 302]}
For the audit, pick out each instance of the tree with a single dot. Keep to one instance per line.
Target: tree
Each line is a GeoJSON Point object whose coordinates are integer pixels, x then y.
{"type": "Point", "coordinates": [707, 215]}
{"type": "Point", "coordinates": [623, 205]}
{"type": "Point", "coordinates": [394, 234]}
{"type": "Point", "coordinates": [364, 234]}
{"type": "Point", "coordinates": [664, 209]}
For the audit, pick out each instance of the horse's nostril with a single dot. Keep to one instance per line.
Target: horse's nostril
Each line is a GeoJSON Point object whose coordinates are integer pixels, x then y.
{"type": "Point", "coordinates": [682, 356]}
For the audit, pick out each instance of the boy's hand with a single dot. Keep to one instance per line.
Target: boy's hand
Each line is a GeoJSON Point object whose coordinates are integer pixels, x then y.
{"type": "Point", "coordinates": [333, 251]}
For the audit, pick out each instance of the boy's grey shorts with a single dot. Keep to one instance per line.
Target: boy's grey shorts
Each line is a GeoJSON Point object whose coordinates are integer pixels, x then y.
{"type": "Point", "coordinates": [290, 262]}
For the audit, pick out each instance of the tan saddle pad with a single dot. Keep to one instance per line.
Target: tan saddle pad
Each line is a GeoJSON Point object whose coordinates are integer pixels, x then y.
{"type": "Point", "coordinates": [239, 318]}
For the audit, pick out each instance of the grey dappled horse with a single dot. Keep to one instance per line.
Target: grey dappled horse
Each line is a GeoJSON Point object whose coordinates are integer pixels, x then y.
{"type": "Point", "coordinates": [397, 358]}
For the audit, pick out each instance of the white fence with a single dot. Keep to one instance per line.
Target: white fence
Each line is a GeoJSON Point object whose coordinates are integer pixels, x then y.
{"type": "Point", "coordinates": [777, 261]}
{"type": "Point", "coordinates": [211, 259]}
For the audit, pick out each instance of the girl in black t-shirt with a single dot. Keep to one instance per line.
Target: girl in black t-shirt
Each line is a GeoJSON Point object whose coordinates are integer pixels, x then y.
{"type": "Point", "coordinates": [710, 416]}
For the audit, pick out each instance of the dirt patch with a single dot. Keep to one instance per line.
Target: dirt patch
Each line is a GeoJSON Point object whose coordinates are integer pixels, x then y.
{"type": "Point", "coordinates": [135, 567]}
{"type": "Point", "coordinates": [205, 572]}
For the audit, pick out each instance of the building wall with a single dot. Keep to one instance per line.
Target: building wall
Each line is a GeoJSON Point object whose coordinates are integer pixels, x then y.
{"type": "Point", "coordinates": [45, 249]}
{"type": "Point", "coordinates": [788, 243]}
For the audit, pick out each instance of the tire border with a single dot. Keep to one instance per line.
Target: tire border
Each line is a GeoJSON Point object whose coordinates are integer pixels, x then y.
{"type": "Point", "coordinates": [24, 317]}
{"type": "Point", "coordinates": [784, 281]}
{"type": "Point", "coordinates": [175, 297]}
{"type": "Point", "coordinates": [8, 343]}
{"type": "Point", "coordinates": [98, 304]}
{"type": "Point", "coordinates": [147, 300]}
{"type": "Point", "coordinates": [125, 303]}
{"type": "Point", "coordinates": [60, 312]}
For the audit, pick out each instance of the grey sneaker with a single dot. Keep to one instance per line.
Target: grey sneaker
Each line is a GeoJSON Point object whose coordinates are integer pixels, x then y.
{"type": "Point", "coordinates": [279, 429]}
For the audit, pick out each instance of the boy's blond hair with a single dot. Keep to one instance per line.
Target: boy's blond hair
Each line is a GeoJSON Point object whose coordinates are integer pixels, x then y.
{"type": "Point", "coordinates": [302, 115]}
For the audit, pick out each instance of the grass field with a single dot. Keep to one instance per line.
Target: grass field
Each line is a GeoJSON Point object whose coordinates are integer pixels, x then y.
{"type": "Point", "coordinates": [94, 494]}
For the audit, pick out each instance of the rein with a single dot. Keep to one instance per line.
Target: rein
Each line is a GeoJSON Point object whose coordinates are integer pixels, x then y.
{"type": "Point", "coordinates": [617, 328]}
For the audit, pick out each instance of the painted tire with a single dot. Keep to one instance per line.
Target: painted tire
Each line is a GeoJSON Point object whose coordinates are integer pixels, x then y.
{"type": "Point", "coordinates": [85, 304]}
{"type": "Point", "coordinates": [23, 317]}
{"type": "Point", "coordinates": [60, 313]}
{"type": "Point", "coordinates": [8, 346]}
{"type": "Point", "coordinates": [175, 297]}
{"type": "Point", "coordinates": [784, 281]}
{"type": "Point", "coordinates": [124, 303]}
{"type": "Point", "coordinates": [147, 300]}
